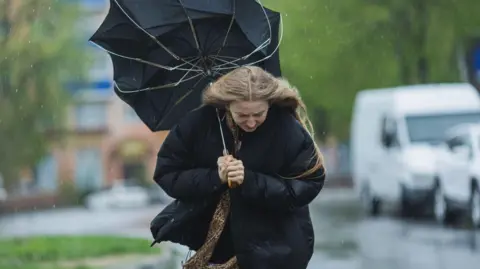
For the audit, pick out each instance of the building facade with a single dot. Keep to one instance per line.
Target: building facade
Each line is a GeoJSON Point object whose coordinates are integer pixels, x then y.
{"type": "Point", "coordinates": [105, 140]}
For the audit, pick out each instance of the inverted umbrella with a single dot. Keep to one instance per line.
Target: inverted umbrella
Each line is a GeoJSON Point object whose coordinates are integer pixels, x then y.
{"type": "Point", "coordinates": [165, 52]}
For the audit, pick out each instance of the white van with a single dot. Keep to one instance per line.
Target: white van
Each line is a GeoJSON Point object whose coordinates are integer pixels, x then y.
{"type": "Point", "coordinates": [394, 134]}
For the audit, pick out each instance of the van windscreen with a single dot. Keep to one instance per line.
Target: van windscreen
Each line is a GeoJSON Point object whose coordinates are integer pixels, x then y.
{"type": "Point", "coordinates": [432, 128]}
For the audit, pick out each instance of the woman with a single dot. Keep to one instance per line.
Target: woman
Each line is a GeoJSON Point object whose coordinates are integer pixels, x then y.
{"type": "Point", "coordinates": [256, 196]}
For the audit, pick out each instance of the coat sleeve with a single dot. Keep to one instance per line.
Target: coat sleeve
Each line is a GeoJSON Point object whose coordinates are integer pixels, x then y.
{"type": "Point", "coordinates": [176, 172]}
{"type": "Point", "coordinates": [277, 193]}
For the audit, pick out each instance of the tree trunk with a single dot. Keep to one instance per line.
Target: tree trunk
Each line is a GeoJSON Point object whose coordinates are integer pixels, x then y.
{"type": "Point", "coordinates": [401, 25]}
{"type": "Point", "coordinates": [404, 70]}
{"type": "Point", "coordinates": [422, 34]}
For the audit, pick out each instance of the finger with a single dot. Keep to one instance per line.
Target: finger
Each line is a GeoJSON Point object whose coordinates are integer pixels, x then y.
{"type": "Point", "coordinates": [234, 168]}
{"type": "Point", "coordinates": [224, 167]}
{"type": "Point", "coordinates": [235, 174]}
{"type": "Point", "coordinates": [237, 180]}
{"type": "Point", "coordinates": [221, 160]}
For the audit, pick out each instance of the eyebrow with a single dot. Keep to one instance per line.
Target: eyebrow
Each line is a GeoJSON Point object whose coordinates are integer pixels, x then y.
{"type": "Point", "coordinates": [254, 113]}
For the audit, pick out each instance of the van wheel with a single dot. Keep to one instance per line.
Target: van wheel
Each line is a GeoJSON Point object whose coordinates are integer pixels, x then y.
{"type": "Point", "coordinates": [370, 203]}
{"type": "Point", "coordinates": [406, 208]}
{"type": "Point", "coordinates": [474, 212]}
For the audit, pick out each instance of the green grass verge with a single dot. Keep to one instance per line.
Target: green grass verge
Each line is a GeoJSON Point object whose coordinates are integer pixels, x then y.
{"type": "Point", "coordinates": [38, 252]}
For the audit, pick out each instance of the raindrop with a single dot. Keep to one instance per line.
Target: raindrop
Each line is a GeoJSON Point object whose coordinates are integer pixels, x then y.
{"type": "Point", "coordinates": [54, 206]}
{"type": "Point", "coordinates": [16, 90]}
{"type": "Point", "coordinates": [29, 42]}
{"type": "Point", "coordinates": [311, 77]}
{"type": "Point", "coordinates": [31, 66]}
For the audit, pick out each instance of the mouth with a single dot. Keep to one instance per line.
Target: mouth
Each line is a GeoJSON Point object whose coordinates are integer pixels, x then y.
{"type": "Point", "coordinates": [248, 129]}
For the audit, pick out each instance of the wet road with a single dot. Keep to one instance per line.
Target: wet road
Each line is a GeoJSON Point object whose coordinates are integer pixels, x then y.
{"type": "Point", "coordinates": [345, 239]}
{"type": "Point", "coordinates": [77, 221]}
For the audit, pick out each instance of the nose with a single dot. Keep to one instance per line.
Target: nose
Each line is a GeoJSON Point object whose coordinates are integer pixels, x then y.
{"type": "Point", "coordinates": [251, 123]}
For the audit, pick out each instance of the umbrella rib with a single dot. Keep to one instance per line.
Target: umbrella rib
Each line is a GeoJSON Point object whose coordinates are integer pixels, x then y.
{"type": "Point", "coordinates": [220, 67]}
{"type": "Point", "coordinates": [182, 79]}
{"type": "Point", "coordinates": [229, 28]}
{"type": "Point", "coordinates": [261, 46]}
{"type": "Point", "coordinates": [178, 101]}
{"type": "Point", "coordinates": [215, 58]}
{"type": "Point", "coordinates": [195, 37]}
{"type": "Point", "coordinates": [169, 68]}
{"type": "Point", "coordinates": [173, 84]}
{"type": "Point", "coordinates": [149, 35]}
{"type": "Point", "coordinates": [218, 72]}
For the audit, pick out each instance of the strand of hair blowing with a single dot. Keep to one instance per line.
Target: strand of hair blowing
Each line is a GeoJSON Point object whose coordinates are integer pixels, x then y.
{"type": "Point", "coordinates": [289, 96]}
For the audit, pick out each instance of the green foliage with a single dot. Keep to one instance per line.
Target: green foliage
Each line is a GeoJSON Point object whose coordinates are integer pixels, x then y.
{"type": "Point", "coordinates": [38, 251]}
{"type": "Point", "coordinates": [332, 49]}
{"type": "Point", "coordinates": [40, 49]}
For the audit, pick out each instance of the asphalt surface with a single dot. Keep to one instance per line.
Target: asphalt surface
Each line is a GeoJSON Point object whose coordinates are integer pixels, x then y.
{"type": "Point", "coordinates": [345, 237]}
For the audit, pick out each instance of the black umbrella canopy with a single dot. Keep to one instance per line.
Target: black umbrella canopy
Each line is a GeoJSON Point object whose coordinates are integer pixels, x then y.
{"type": "Point", "coordinates": [165, 52]}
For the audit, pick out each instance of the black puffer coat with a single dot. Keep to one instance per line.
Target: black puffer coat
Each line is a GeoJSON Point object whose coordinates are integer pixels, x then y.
{"type": "Point", "coordinates": [269, 226]}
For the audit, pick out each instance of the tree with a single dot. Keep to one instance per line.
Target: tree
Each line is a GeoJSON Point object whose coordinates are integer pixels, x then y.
{"type": "Point", "coordinates": [39, 52]}
{"type": "Point", "coordinates": [332, 49]}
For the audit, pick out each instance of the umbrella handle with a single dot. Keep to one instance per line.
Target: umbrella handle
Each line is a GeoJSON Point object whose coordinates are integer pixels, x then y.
{"type": "Point", "coordinates": [231, 185]}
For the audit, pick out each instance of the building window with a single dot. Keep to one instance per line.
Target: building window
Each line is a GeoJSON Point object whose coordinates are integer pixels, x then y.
{"type": "Point", "coordinates": [88, 169]}
{"type": "Point", "coordinates": [91, 115]}
{"type": "Point", "coordinates": [47, 174]}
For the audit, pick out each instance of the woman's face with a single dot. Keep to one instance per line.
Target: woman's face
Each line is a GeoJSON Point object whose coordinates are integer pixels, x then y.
{"type": "Point", "coordinates": [248, 115]}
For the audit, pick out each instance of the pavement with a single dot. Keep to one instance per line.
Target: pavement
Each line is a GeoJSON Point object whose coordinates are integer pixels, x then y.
{"type": "Point", "coordinates": [345, 237]}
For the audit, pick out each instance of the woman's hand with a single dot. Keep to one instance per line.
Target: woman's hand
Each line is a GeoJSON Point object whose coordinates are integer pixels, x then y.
{"type": "Point", "coordinates": [235, 172]}
{"type": "Point", "coordinates": [222, 163]}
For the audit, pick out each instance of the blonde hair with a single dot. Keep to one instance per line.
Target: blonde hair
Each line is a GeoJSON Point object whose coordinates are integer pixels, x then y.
{"type": "Point", "coordinates": [252, 83]}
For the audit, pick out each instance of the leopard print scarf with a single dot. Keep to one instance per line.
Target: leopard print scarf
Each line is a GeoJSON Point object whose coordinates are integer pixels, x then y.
{"type": "Point", "coordinates": [200, 260]}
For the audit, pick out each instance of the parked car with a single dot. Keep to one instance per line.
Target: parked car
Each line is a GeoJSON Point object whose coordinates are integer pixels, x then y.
{"type": "Point", "coordinates": [394, 137]}
{"type": "Point", "coordinates": [118, 196]}
{"type": "Point", "coordinates": [458, 178]}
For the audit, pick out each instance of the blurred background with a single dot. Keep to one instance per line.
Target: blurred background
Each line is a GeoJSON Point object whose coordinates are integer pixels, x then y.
{"type": "Point", "coordinates": [392, 86]}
